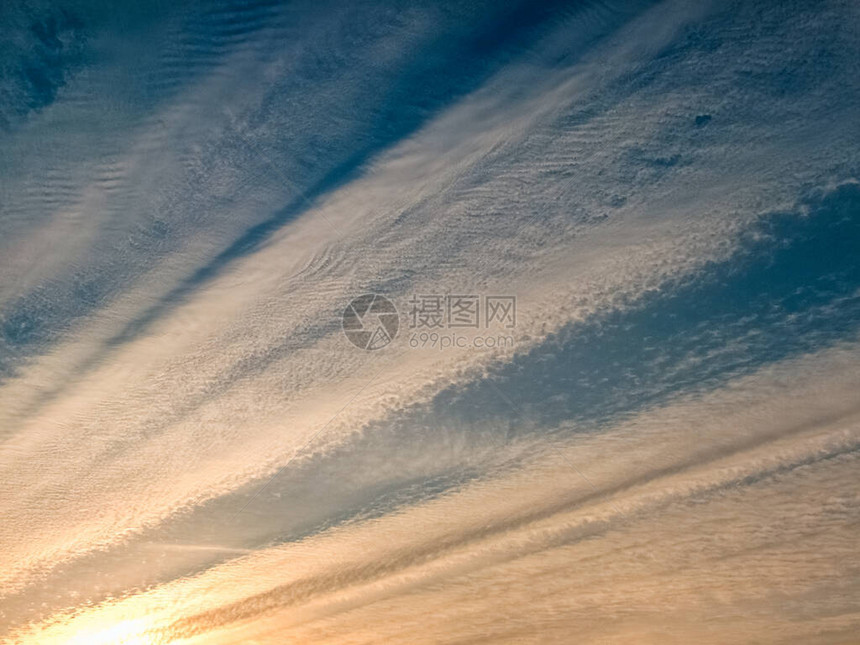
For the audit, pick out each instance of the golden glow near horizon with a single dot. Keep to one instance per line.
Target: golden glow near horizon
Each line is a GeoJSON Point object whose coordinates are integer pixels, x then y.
{"type": "Point", "coordinates": [128, 632]}
{"type": "Point", "coordinates": [555, 549]}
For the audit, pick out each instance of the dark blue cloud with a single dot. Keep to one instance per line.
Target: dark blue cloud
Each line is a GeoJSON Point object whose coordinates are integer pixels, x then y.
{"type": "Point", "coordinates": [343, 135]}
{"type": "Point", "coordinates": [793, 287]}
{"type": "Point", "coordinates": [51, 49]}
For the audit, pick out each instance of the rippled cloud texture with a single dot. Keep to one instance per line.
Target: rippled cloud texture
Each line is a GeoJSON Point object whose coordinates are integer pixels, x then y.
{"type": "Point", "coordinates": [191, 451]}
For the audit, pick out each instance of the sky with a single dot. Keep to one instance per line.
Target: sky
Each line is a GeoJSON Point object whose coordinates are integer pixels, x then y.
{"type": "Point", "coordinates": [429, 322]}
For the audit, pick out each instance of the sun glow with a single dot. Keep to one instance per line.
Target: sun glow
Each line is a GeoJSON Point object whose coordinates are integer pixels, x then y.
{"type": "Point", "coordinates": [126, 632]}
